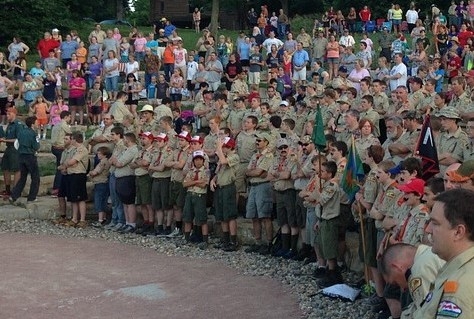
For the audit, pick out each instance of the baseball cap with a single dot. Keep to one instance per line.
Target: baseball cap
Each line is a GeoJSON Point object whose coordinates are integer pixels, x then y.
{"type": "Point", "coordinates": [264, 136]}
{"type": "Point", "coordinates": [184, 135]}
{"type": "Point", "coordinates": [163, 19]}
{"type": "Point", "coordinates": [281, 142]}
{"type": "Point", "coordinates": [284, 103]}
{"type": "Point", "coordinates": [161, 137]}
{"type": "Point", "coordinates": [55, 30]}
{"type": "Point", "coordinates": [463, 173]}
{"type": "Point", "coordinates": [343, 100]}
{"type": "Point", "coordinates": [342, 68]}
{"type": "Point", "coordinates": [147, 108]}
{"type": "Point", "coordinates": [147, 135]}
{"type": "Point", "coordinates": [197, 138]}
{"type": "Point", "coordinates": [198, 153]}
{"type": "Point", "coordinates": [229, 142]}
{"type": "Point", "coordinates": [396, 170]}
{"type": "Point", "coordinates": [416, 185]}
{"type": "Point", "coordinates": [305, 139]}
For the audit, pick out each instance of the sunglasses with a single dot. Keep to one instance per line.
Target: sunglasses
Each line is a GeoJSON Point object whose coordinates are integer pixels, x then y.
{"type": "Point", "coordinates": [284, 147]}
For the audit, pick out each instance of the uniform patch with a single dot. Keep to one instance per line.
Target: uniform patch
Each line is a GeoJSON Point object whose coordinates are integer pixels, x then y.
{"type": "Point", "coordinates": [414, 284]}
{"type": "Point", "coordinates": [450, 287]}
{"type": "Point", "coordinates": [449, 309]}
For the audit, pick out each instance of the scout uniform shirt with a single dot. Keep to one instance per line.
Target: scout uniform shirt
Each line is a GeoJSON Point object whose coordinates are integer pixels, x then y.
{"type": "Point", "coordinates": [177, 175]}
{"type": "Point", "coordinates": [416, 99]}
{"type": "Point", "coordinates": [386, 198]}
{"type": "Point", "coordinates": [210, 142]}
{"type": "Point", "coordinates": [461, 103]}
{"type": "Point", "coordinates": [189, 161]}
{"type": "Point", "coordinates": [12, 131]}
{"type": "Point", "coordinates": [235, 119]}
{"type": "Point", "coordinates": [58, 132]}
{"type": "Point", "coordinates": [102, 169]}
{"type": "Point", "coordinates": [118, 151]}
{"type": "Point", "coordinates": [226, 173]}
{"type": "Point", "coordinates": [160, 157]}
{"type": "Point", "coordinates": [81, 155]}
{"type": "Point", "coordinates": [105, 132]}
{"type": "Point", "coordinates": [374, 117]}
{"type": "Point", "coordinates": [263, 161]}
{"type": "Point", "coordinates": [126, 158]}
{"type": "Point", "coordinates": [151, 126]}
{"type": "Point", "coordinates": [453, 144]}
{"type": "Point", "coordinates": [381, 104]}
{"type": "Point", "coordinates": [412, 229]}
{"type": "Point", "coordinates": [329, 200]}
{"type": "Point", "coordinates": [144, 154]}
{"type": "Point", "coordinates": [66, 155]}
{"type": "Point", "coordinates": [468, 152]}
{"type": "Point", "coordinates": [283, 164]}
{"type": "Point", "coordinates": [452, 294]}
{"type": "Point", "coordinates": [246, 145]}
{"type": "Point", "coordinates": [198, 174]}
{"type": "Point", "coordinates": [423, 272]}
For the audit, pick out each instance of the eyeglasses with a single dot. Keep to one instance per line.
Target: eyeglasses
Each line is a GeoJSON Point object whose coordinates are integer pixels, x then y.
{"type": "Point", "coordinates": [283, 147]}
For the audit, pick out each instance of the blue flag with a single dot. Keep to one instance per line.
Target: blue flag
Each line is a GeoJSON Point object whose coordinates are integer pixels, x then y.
{"type": "Point", "coordinates": [353, 173]}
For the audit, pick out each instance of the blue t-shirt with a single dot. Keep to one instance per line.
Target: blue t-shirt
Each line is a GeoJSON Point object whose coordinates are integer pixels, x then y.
{"type": "Point", "coordinates": [244, 50]}
{"type": "Point", "coordinates": [439, 82]}
{"type": "Point", "coordinates": [68, 48]}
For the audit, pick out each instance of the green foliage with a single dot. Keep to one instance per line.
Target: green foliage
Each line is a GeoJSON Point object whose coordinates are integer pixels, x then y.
{"type": "Point", "coordinates": [141, 15]}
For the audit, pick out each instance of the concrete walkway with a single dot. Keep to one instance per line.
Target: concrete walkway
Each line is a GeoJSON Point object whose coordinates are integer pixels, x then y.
{"type": "Point", "coordinates": [51, 277]}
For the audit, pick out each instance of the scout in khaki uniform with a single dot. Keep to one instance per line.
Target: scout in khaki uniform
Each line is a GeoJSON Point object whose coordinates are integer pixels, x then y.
{"type": "Point", "coordinates": [329, 203]}
{"type": "Point", "coordinates": [468, 152]}
{"type": "Point", "coordinates": [381, 101]}
{"type": "Point", "coordinates": [143, 182]}
{"type": "Point", "coordinates": [450, 230]}
{"type": "Point", "coordinates": [411, 229]}
{"type": "Point", "coordinates": [285, 197]}
{"type": "Point", "coordinates": [368, 112]}
{"type": "Point", "coordinates": [225, 196]}
{"type": "Point", "coordinates": [147, 122]}
{"type": "Point", "coordinates": [417, 95]}
{"type": "Point", "coordinates": [412, 268]}
{"type": "Point", "coordinates": [160, 171]}
{"type": "Point", "coordinates": [196, 182]}
{"type": "Point", "coordinates": [260, 202]}
{"type": "Point", "coordinates": [100, 178]}
{"type": "Point", "coordinates": [452, 141]}
{"type": "Point", "coordinates": [177, 191]}
{"type": "Point", "coordinates": [236, 116]}
{"type": "Point", "coordinates": [245, 147]}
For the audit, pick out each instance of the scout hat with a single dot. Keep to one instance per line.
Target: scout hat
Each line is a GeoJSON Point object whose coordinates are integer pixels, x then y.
{"type": "Point", "coordinates": [449, 112]}
{"type": "Point", "coordinates": [305, 140]}
{"type": "Point", "coordinates": [229, 142]}
{"type": "Point", "coordinates": [282, 142]}
{"type": "Point", "coordinates": [147, 108]}
{"type": "Point", "coordinates": [463, 173]}
{"type": "Point", "coordinates": [184, 135]}
{"type": "Point", "coordinates": [264, 136]}
{"type": "Point", "coordinates": [416, 185]}
{"type": "Point", "coordinates": [198, 153]}
{"type": "Point", "coordinates": [161, 137]}
{"type": "Point", "coordinates": [343, 100]}
{"type": "Point", "coordinates": [284, 103]}
{"type": "Point", "coordinates": [147, 135]}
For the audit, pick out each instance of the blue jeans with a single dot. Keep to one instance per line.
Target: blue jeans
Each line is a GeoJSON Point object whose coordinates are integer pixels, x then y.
{"type": "Point", "coordinates": [28, 164]}
{"type": "Point", "coordinates": [148, 78]}
{"type": "Point", "coordinates": [169, 69]}
{"type": "Point", "coordinates": [118, 215]}
{"type": "Point", "coordinates": [57, 177]}
{"type": "Point", "coordinates": [101, 194]}
{"type": "Point", "coordinates": [281, 30]}
{"type": "Point", "coordinates": [139, 56]}
{"type": "Point", "coordinates": [111, 83]}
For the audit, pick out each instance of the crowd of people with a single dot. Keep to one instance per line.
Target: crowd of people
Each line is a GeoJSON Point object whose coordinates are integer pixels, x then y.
{"type": "Point", "coordinates": [248, 146]}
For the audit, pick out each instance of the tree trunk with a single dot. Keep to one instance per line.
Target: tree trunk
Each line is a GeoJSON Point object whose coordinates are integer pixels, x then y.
{"type": "Point", "coordinates": [119, 9]}
{"type": "Point", "coordinates": [215, 17]}
{"type": "Point", "coordinates": [285, 6]}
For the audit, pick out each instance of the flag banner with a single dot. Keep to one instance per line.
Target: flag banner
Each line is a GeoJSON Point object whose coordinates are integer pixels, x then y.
{"type": "Point", "coordinates": [318, 137]}
{"type": "Point", "coordinates": [353, 173]}
{"type": "Point", "coordinates": [426, 150]}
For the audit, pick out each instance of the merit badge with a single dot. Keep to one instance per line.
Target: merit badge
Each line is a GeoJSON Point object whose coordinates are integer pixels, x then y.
{"type": "Point", "coordinates": [449, 309]}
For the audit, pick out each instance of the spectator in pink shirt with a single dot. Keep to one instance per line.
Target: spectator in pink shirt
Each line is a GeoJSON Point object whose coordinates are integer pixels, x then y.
{"type": "Point", "coordinates": [139, 47]}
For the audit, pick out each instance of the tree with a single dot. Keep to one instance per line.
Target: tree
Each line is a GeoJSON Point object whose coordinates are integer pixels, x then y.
{"type": "Point", "coordinates": [215, 16]}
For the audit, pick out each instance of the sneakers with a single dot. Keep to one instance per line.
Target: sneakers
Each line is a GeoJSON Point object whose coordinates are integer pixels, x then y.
{"type": "Point", "coordinates": [175, 233]}
{"type": "Point", "coordinates": [118, 227]}
{"type": "Point", "coordinates": [110, 226]}
{"type": "Point", "coordinates": [203, 245]}
{"type": "Point", "coordinates": [128, 229]}
{"type": "Point", "coordinates": [333, 277]}
{"type": "Point", "coordinates": [82, 224]}
{"type": "Point", "coordinates": [374, 300]}
{"type": "Point", "coordinates": [99, 224]}
{"type": "Point", "coordinates": [220, 245]}
{"type": "Point", "coordinates": [194, 238]}
{"type": "Point", "coordinates": [289, 255]}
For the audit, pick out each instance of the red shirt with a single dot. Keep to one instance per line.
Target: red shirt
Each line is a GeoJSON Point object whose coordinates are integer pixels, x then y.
{"type": "Point", "coordinates": [75, 93]}
{"type": "Point", "coordinates": [44, 46]}
{"type": "Point", "coordinates": [454, 62]}
{"type": "Point", "coordinates": [463, 36]}
{"type": "Point", "coordinates": [364, 15]}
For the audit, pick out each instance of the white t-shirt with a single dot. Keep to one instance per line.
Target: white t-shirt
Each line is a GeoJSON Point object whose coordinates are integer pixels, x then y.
{"type": "Point", "coordinates": [269, 42]}
{"type": "Point", "coordinates": [180, 57]}
{"type": "Point", "coordinates": [398, 69]}
{"type": "Point", "coordinates": [347, 40]}
{"type": "Point", "coordinates": [132, 68]}
{"type": "Point", "coordinates": [191, 68]}
{"type": "Point", "coordinates": [411, 16]}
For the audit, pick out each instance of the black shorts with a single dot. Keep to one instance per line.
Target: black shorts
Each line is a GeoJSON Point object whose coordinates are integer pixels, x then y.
{"type": "Point", "coordinates": [64, 186]}
{"type": "Point", "coordinates": [245, 62]}
{"type": "Point", "coordinates": [78, 193]}
{"type": "Point", "coordinates": [77, 101]}
{"type": "Point", "coordinates": [3, 105]}
{"type": "Point", "coordinates": [176, 97]}
{"type": "Point", "coordinates": [131, 102]}
{"type": "Point", "coordinates": [96, 109]}
{"type": "Point", "coordinates": [190, 86]}
{"type": "Point", "coordinates": [126, 189]}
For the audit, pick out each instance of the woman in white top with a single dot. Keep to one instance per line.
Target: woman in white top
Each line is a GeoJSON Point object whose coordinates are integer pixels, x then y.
{"type": "Point", "coordinates": [16, 46]}
{"type": "Point", "coordinates": [112, 74]}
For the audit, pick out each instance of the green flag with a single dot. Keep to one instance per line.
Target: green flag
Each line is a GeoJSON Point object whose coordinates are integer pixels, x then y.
{"type": "Point", "coordinates": [319, 139]}
{"type": "Point", "coordinates": [353, 173]}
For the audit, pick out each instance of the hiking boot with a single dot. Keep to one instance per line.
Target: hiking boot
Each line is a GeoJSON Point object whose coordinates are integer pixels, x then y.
{"type": "Point", "coordinates": [118, 227]}
{"type": "Point", "coordinates": [374, 300]}
{"type": "Point", "coordinates": [140, 230]}
{"type": "Point", "coordinates": [220, 245]}
{"type": "Point", "coordinates": [333, 277]}
{"type": "Point", "coordinates": [203, 245]}
{"type": "Point", "coordinates": [229, 247]}
{"type": "Point", "coordinates": [252, 249]}
{"type": "Point", "coordinates": [195, 238]}
{"type": "Point", "coordinates": [280, 252]}
{"type": "Point", "coordinates": [319, 272]}
{"type": "Point", "coordinates": [289, 255]}
{"type": "Point", "coordinates": [149, 231]}
{"type": "Point", "coordinates": [381, 306]}
{"type": "Point", "coordinates": [60, 221]}
{"type": "Point", "coordinates": [384, 314]}
{"type": "Point", "coordinates": [264, 250]}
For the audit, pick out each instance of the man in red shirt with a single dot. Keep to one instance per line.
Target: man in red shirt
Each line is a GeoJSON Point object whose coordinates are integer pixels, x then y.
{"type": "Point", "coordinates": [365, 15]}
{"type": "Point", "coordinates": [45, 45]}
{"type": "Point", "coordinates": [454, 64]}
